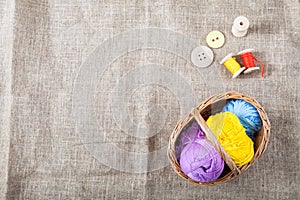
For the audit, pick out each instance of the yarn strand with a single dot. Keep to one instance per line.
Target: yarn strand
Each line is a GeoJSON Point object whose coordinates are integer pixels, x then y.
{"type": "Point", "coordinates": [262, 67]}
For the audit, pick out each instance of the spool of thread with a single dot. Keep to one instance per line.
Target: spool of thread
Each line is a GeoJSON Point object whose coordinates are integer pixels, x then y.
{"type": "Point", "coordinates": [232, 65]}
{"type": "Point", "coordinates": [240, 26]}
{"type": "Point", "coordinates": [198, 158]}
{"type": "Point", "coordinates": [201, 162]}
{"type": "Point", "coordinates": [247, 114]}
{"type": "Point", "coordinates": [232, 136]}
{"type": "Point", "coordinates": [249, 59]}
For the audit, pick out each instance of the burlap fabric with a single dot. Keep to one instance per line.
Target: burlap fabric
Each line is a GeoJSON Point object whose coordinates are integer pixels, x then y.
{"type": "Point", "coordinates": [91, 90]}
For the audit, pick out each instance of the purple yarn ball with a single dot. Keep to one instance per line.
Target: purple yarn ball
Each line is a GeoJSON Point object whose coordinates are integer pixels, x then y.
{"type": "Point", "coordinates": [187, 136]}
{"type": "Point", "coordinates": [200, 161]}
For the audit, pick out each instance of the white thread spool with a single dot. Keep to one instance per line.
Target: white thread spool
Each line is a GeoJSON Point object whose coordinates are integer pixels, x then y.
{"type": "Point", "coordinates": [240, 26]}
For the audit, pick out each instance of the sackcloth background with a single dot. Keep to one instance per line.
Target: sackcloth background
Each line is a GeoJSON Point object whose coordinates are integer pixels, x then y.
{"type": "Point", "coordinates": [47, 46]}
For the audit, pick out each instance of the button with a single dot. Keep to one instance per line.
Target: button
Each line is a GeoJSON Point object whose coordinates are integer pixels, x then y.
{"type": "Point", "coordinates": [215, 39]}
{"type": "Point", "coordinates": [202, 56]}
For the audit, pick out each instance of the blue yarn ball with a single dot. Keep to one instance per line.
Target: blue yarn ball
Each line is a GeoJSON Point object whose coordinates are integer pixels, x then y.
{"type": "Point", "coordinates": [247, 114]}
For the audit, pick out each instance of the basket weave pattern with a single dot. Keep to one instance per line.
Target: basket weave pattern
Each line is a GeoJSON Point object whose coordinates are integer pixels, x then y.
{"type": "Point", "coordinates": [199, 114]}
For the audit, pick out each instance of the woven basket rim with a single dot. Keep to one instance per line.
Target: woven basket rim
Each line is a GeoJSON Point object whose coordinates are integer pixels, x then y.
{"type": "Point", "coordinates": [195, 115]}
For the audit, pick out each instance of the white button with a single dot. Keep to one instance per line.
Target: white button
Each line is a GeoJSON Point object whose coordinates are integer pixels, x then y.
{"type": "Point", "coordinates": [202, 56]}
{"type": "Point", "coordinates": [215, 39]}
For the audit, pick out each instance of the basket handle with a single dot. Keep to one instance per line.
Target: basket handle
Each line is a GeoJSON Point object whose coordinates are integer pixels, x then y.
{"type": "Point", "coordinates": [214, 141]}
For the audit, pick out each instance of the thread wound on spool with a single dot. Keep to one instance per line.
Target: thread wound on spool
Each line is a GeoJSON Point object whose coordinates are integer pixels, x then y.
{"type": "Point", "coordinates": [232, 136]}
{"type": "Point", "coordinates": [237, 33]}
{"type": "Point", "coordinates": [249, 61]}
{"type": "Point", "coordinates": [247, 114]}
{"type": "Point", "coordinates": [232, 65]}
{"type": "Point", "coordinates": [241, 23]}
{"type": "Point", "coordinates": [240, 26]}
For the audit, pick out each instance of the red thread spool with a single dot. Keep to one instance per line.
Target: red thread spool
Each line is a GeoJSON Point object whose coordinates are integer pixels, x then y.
{"type": "Point", "coordinates": [249, 61]}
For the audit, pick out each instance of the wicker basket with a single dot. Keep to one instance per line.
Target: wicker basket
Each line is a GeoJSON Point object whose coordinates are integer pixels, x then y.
{"type": "Point", "coordinates": [199, 114]}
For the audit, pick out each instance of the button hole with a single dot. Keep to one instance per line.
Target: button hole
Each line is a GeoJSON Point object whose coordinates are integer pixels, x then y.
{"type": "Point", "coordinates": [213, 40]}
{"type": "Point", "coordinates": [217, 38]}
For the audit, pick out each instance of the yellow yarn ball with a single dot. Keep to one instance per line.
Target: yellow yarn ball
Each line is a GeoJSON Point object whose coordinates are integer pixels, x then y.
{"type": "Point", "coordinates": [232, 136]}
